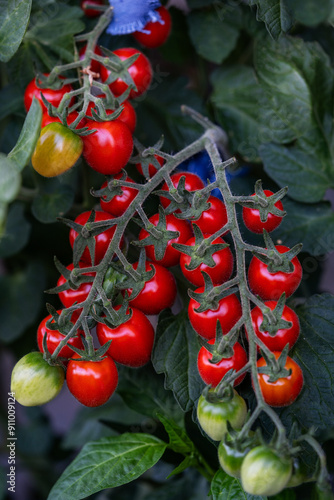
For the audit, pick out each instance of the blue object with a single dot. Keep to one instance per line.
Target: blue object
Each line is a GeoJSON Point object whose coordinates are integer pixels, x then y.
{"type": "Point", "coordinates": [201, 165]}
{"type": "Point", "coordinates": [132, 15]}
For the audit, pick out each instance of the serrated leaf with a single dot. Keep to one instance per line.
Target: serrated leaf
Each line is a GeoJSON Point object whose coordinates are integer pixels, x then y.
{"type": "Point", "coordinates": [26, 143]}
{"type": "Point", "coordinates": [224, 486]}
{"type": "Point", "coordinates": [175, 354]}
{"type": "Point", "coordinates": [213, 38]}
{"type": "Point", "coordinates": [14, 18]}
{"type": "Point", "coordinates": [17, 231]}
{"type": "Point", "coordinates": [314, 352]}
{"type": "Point", "coordinates": [143, 391]}
{"type": "Point", "coordinates": [21, 296]}
{"type": "Point", "coordinates": [313, 224]}
{"type": "Point", "coordinates": [108, 463]}
{"type": "Point", "coordinates": [275, 14]}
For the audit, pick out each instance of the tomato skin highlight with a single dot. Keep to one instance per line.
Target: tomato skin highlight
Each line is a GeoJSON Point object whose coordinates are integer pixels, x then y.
{"type": "Point", "coordinates": [264, 472]}
{"type": "Point", "coordinates": [34, 382]}
{"type": "Point", "coordinates": [270, 286]}
{"type": "Point", "coordinates": [70, 296]}
{"type": "Point", "coordinates": [132, 341]}
{"type": "Point", "coordinates": [252, 221]}
{"type": "Point", "coordinates": [159, 292]}
{"type": "Point", "coordinates": [284, 391]}
{"type": "Point", "coordinates": [283, 336]}
{"type": "Point", "coordinates": [54, 337]}
{"type": "Point", "coordinates": [102, 240]}
{"type": "Point", "coordinates": [140, 71]}
{"type": "Point", "coordinates": [53, 96]}
{"type": "Point", "coordinates": [205, 323]}
{"type": "Point", "coordinates": [158, 32]}
{"type": "Point", "coordinates": [119, 203]}
{"type": "Point", "coordinates": [213, 416]}
{"type": "Point", "coordinates": [212, 373]}
{"type": "Point", "coordinates": [57, 150]}
{"type": "Point", "coordinates": [92, 383]}
{"type": "Point", "coordinates": [109, 148]}
{"type": "Point", "coordinates": [172, 256]}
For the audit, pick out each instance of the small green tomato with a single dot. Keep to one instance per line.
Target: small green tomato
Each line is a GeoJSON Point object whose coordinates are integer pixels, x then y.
{"type": "Point", "coordinates": [213, 417]}
{"type": "Point", "coordinates": [265, 472]}
{"type": "Point", "coordinates": [34, 382]}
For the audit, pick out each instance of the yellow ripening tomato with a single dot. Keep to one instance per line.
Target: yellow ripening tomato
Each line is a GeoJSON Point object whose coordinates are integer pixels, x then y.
{"type": "Point", "coordinates": [57, 150]}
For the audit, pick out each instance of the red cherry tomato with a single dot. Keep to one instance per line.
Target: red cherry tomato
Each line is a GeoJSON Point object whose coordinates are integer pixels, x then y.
{"type": "Point", "coordinates": [119, 203]}
{"type": "Point", "coordinates": [92, 382]}
{"type": "Point", "coordinates": [214, 218]}
{"type": "Point", "coordinates": [158, 293]}
{"type": "Point", "coordinates": [89, 12]}
{"type": "Point", "coordinates": [132, 342]}
{"type": "Point", "coordinates": [252, 221]}
{"type": "Point", "coordinates": [212, 373]}
{"type": "Point", "coordinates": [102, 240]}
{"type": "Point", "coordinates": [140, 71]}
{"type": "Point", "coordinates": [54, 337]}
{"type": "Point", "coordinates": [95, 65]}
{"type": "Point", "coordinates": [219, 273]}
{"type": "Point", "coordinates": [127, 116]}
{"type": "Point", "coordinates": [151, 168]}
{"type": "Point", "coordinates": [271, 285]}
{"type": "Point", "coordinates": [285, 390]}
{"type": "Point", "coordinates": [70, 296]}
{"type": "Point", "coordinates": [53, 96]}
{"type": "Point", "coordinates": [156, 33]}
{"type": "Point", "coordinates": [47, 119]}
{"type": "Point", "coordinates": [172, 256]}
{"type": "Point", "coordinates": [109, 148]}
{"type": "Point", "coordinates": [283, 336]}
{"type": "Point", "coordinates": [192, 183]}
{"type": "Point", "coordinates": [205, 323]}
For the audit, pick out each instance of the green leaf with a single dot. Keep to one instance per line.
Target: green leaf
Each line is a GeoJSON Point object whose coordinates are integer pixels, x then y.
{"type": "Point", "coordinates": [10, 179]}
{"type": "Point", "coordinates": [14, 18]}
{"type": "Point", "coordinates": [108, 463]}
{"type": "Point", "coordinates": [312, 224]}
{"type": "Point", "coordinates": [213, 38]}
{"type": "Point", "coordinates": [11, 100]}
{"type": "Point", "coordinates": [178, 438]}
{"type": "Point", "coordinates": [26, 143]}
{"type": "Point", "coordinates": [224, 486]}
{"type": "Point", "coordinates": [143, 391]}
{"type": "Point", "coordinates": [53, 200]}
{"type": "Point", "coordinates": [310, 12]}
{"type": "Point", "coordinates": [17, 231]}
{"type": "Point", "coordinates": [314, 352]}
{"type": "Point", "coordinates": [175, 354]}
{"type": "Point", "coordinates": [275, 14]}
{"type": "Point", "coordinates": [21, 297]}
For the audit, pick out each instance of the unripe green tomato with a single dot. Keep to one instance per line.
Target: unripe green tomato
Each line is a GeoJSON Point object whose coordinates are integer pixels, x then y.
{"type": "Point", "coordinates": [213, 417]}
{"type": "Point", "coordinates": [34, 382]}
{"type": "Point", "coordinates": [264, 472]}
{"type": "Point", "coordinates": [57, 150]}
{"type": "Point", "coordinates": [230, 458]}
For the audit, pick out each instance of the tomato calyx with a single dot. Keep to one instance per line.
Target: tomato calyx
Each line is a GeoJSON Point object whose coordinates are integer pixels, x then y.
{"type": "Point", "coordinates": [148, 160]}
{"type": "Point", "coordinates": [263, 203]}
{"type": "Point", "coordinates": [114, 186]}
{"type": "Point", "coordinates": [223, 345]}
{"type": "Point", "coordinates": [159, 236]}
{"type": "Point", "coordinates": [74, 278]}
{"type": "Point", "coordinates": [220, 394]}
{"type": "Point", "coordinates": [275, 260]}
{"type": "Point", "coordinates": [275, 367]}
{"type": "Point", "coordinates": [210, 297]}
{"type": "Point", "coordinates": [272, 318]}
{"type": "Point", "coordinates": [119, 69]}
{"type": "Point", "coordinates": [201, 252]}
{"type": "Point", "coordinates": [184, 201]}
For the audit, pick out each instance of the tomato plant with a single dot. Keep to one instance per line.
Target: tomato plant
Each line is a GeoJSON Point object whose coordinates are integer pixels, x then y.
{"type": "Point", "coordinates": [54, 337]}
{"type": "Point", "coordinates": [127, 115]}
{"type": "Point", "coordinates": [156, 33]}
{"type": "Point", "coordinates": [252, 219]}
{"type": "Point", "coordinates": [88, 10]}
{"type": "Point", "coordinates": [53, 96]}
{"type": "Point", "coordinates": [91, 382]}
{"type": "Point", "coordinates": [76, 294]}
{"type": "Point", "coordinates": [192, 182]}
{"type": "Point", "coordinates": [131, 342]}
{"type": "Point", "coordinates": [117, 205]}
